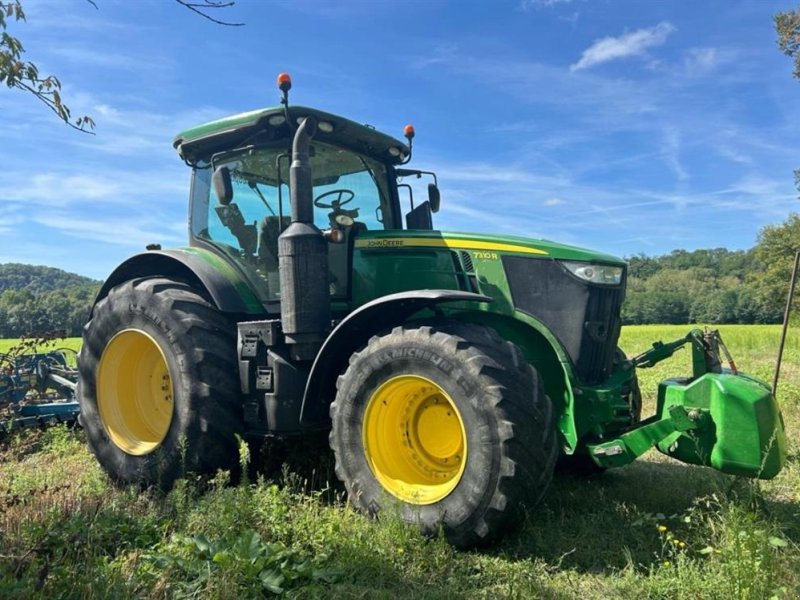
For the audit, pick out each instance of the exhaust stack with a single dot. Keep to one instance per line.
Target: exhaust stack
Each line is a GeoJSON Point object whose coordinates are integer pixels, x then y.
{"type": "Point", "coordinates": [303, 257]}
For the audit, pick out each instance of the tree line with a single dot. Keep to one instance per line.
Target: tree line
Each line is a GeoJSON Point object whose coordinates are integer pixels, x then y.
{"type": "Point", "coordinates": [36, 299]}
{"type": "Point", "coordinates": [715, 286]}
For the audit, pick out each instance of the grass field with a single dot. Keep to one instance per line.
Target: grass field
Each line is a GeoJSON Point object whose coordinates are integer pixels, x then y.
{"type": "Point", "coordinates": [654, 529]}
{"type": "Point", "coordinates": [72, 343]}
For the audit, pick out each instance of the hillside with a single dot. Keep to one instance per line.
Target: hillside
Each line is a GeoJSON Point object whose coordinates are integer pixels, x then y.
{"type": "Point", "coordinates": [35, 299]}
{"type": "Point", "coordinates": [37, 279]}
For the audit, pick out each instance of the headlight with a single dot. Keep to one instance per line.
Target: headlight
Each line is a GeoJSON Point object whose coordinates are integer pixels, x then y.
{"type": "Point", "coordinates": [602, 274]}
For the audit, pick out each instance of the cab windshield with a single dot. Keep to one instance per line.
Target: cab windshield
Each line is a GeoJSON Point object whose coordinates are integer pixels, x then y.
{"type": "Point", "coordinates": [350, 192]}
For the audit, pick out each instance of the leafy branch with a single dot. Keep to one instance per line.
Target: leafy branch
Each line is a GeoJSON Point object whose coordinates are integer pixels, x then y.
{"type": "Point", "coordinates": [21, 74]}
{"type": "Point", "coordinates": [787, 24]}
{"type": "Point", "coordinates": [202, 6]}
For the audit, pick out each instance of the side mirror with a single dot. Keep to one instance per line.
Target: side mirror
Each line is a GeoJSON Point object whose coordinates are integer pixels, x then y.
{"type": "Point", "coordinates": [222, 185]}
{"type": "Point", "coordinates": [434, 197]}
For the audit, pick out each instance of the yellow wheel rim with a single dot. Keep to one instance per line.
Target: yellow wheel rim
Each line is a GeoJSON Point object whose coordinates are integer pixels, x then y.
{"type": "Point", "coordinates": [414, 439]}
{"type": "Point", "coordinates": [134, 392]}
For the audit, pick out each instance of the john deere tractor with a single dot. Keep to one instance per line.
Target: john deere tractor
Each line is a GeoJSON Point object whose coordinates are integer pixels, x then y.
{"type": "Point", "coordinates": [451, 369]}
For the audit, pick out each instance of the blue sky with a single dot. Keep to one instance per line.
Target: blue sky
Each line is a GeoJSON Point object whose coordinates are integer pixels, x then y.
{"type": "Point", "coordinates": [623, 126]}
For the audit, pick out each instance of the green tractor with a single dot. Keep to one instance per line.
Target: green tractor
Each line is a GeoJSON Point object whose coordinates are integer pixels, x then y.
{"type": "Point", "coordinates": [451, 370]}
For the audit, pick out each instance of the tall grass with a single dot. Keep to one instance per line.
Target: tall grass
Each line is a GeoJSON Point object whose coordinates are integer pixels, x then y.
{"type": "Point", "coordinates": [654, 529]}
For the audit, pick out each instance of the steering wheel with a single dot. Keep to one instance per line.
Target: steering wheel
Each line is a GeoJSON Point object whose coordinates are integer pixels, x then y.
{"type": "Point", "coordinates": [335, 204]}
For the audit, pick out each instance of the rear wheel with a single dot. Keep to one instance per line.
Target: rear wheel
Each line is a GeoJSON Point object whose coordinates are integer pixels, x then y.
{"type": "Point", "coordinates": [449, 422]}
{"type": "Point", "coordinates": [158, 383]}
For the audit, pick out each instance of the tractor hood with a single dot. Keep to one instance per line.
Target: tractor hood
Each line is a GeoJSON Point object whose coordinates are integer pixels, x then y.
{"type": "Point", "coordinates": [506, 244]}
{"type": "Point", "coordinates": [526, 279]}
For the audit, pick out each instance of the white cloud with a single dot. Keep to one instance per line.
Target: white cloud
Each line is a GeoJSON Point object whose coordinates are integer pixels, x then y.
{"type": "Point", "coordinates": [671, 152]}
{"type": "Point", "coordinates": [553, 202]}
{"type": "Point", "coordinates": [122, 231]}
{"type": "Point", "coordinates": [440, 54]}
{"type": "Point", "coordinates": [754, 185]}
{"type": "Point", "coordinates": [50, 15]}
{"type": "Point", "coordinates": [59, 189]}
{"type": "Point", "coordinates": [572, 19]}
{"type": "Point", "coordinates": [494, 174]}
{"type": "Point", "coordinates": [529, 4]}
{"type": "Point", "coordinates": [733, 153]}
{"type": "Point", "coordinates": [91, 58]}
{"type": "Point", "coordinates": [700, 60]}
{"type": "Point", "coordinates": [9, 222]}
{"type": "Point", "coordinates": [634, 43]}
{"type": "Point", "coordinates": [129, 131]}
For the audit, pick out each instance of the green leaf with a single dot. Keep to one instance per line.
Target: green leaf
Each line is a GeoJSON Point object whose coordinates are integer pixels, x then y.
{"type": "Point", "coordinates": [201, 543]}
{"type": "Point", "coordinates": [326, 575]}
{"type": "Point", "coordinates": [272, 581]}
{"type": "Point", "coordinates": [249, 545]}
{"type": "Point", "coordinates": [777, 542]}
{"type": "Point", "coordinates": [707, 550]}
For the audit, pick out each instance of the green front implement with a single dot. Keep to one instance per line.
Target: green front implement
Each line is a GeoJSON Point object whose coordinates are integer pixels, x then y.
{"type": "Point", "coordinates": [717, 418]}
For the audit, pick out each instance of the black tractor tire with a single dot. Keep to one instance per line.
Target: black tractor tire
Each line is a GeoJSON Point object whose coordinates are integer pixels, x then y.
{"type": "Point", "coordinates": [197, 344]}
{"type": "Point", "coordinates": [634, 393]}
{"type": "Point", "coordinates": [508, 426]}
{"type": "Point", "coordinates": [631, 391]}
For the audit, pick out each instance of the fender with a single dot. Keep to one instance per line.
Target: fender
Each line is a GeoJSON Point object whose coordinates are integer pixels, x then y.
{"type": "Point", "coordinates": [551, 359]}
{"type": "Point", "coordinates": [227, 288]}
{"type": "Point", "coordinates": [354, 331]}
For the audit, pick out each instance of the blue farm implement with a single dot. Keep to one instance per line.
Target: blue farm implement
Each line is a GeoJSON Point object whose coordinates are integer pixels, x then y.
{"type": "Point", "coordinates": [37, 389]}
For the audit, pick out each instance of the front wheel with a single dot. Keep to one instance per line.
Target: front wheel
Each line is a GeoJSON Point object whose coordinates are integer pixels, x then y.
{"type": "Point", "coordinates": [158, 383]}
{"type": "Point", "coordinates": [450, 422]}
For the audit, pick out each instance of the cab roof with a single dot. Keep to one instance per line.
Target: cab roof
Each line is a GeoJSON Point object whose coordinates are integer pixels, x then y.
{"type": "Point", "coordinates": [268, 125]}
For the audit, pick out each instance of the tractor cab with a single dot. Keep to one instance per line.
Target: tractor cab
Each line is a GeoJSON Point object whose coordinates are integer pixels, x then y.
{"type": "Point", "coordinates": [240, 199]}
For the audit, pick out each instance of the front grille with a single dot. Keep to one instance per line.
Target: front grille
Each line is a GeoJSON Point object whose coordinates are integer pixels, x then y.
{"type": "Point", "coordinates": [584, 317]}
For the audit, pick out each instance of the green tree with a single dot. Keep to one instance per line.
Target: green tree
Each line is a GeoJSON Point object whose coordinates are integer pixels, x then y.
{"type": "Point", "coordinates": [642, 267]}
{"type": "Point", "coordinates": [787, 25]}
{"type": "Point", "coordinates": [699, 286]}
{"type": "Point", "coordinates": [717, 302]}
{"type": "Point", "coordinates": [775, 249]}
{"type": "Point", "coordinates": [38, 299]}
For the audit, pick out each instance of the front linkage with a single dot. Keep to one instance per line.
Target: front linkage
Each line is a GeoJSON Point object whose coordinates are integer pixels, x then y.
{"type": "Point", "coordinates": [719, 417]}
